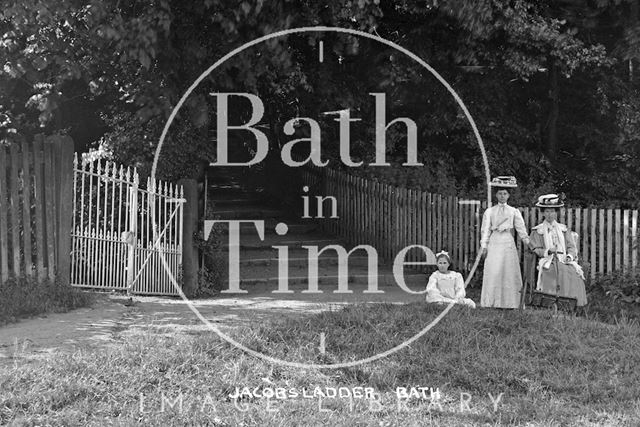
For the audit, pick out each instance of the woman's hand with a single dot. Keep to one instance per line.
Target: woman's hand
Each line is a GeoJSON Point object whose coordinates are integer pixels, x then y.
{"type": "Point", "coordinates": [552, 250]}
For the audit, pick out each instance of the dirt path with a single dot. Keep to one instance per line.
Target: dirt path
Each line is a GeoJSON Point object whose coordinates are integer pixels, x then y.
{"type": "Point", "coordinates": [111, 315]}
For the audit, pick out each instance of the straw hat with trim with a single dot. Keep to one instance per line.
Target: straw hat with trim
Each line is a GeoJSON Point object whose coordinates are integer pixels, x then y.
{"type": "Point", "coordinates": [550, 201]}
{"type": "Point", "coordinates": [504, 182]}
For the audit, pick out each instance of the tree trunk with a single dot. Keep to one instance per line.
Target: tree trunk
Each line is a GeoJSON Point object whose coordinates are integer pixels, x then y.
{"type": "Point", "coordinates": [554, 111]}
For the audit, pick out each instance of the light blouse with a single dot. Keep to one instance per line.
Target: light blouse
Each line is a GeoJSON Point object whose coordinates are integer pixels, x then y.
{"type": "Point", "coordinates": [501, 218]}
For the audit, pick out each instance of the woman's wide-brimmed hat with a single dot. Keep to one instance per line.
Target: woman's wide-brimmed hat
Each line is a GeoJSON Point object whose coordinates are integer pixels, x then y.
{"type": "Point", "coordinates": [504, 182]}
{"type": "Point", "coordinates": [550, 201]}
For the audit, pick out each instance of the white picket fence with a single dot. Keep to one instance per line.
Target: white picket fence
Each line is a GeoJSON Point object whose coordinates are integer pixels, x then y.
{"type": "Point", "coordinates": [116, 244]}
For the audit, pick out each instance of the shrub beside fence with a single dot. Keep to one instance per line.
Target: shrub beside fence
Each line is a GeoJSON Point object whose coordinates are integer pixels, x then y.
{"type": "Point", "coordinates": [36, 190]}
{"type": "Point", "coordinates": [390, 218]}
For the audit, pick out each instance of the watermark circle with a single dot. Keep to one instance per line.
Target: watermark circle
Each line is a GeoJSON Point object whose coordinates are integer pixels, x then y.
{"type": "Point", "coordinates": [259, 40]}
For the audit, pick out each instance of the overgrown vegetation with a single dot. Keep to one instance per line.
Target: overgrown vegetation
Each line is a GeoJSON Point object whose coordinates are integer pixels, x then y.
{"type": "Point", "coordinates": [214, 270]}
{"type": "Point", "coordinates": [615, 298]}
{"type": "Point", "coordinates": [26, 297]}
{"type": "Point", "coordinates": [551, 370]}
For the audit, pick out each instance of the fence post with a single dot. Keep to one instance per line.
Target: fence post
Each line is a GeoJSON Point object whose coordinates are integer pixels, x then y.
{"type": "Point", "coordinates": [189, 227]}
{"type": "Point", "coordinates": [64, 166]}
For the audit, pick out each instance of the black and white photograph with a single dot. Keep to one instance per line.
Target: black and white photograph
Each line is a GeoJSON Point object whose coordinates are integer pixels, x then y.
{"type": "Point", "coordinates": [319, 213]}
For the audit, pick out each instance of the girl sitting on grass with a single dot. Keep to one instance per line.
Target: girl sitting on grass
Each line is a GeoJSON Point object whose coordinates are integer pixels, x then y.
{"type": "Point", "coordinates": [446, 286]}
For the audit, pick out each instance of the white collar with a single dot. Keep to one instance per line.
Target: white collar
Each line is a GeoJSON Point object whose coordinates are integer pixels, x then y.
{"type": "Point", "coordinates": [546, 225]}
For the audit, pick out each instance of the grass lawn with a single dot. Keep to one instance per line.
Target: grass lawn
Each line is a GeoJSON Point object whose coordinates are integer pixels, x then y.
{"type": "Point", "coordinates": [476, 367]}
{"type": "Point", "coordinates": [22, 298]}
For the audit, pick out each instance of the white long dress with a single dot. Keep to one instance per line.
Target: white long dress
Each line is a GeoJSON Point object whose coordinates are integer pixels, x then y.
{"type": "Point", "coordinates": [502, 280]}
{"type": "Point", "coordinates": [446, 288]}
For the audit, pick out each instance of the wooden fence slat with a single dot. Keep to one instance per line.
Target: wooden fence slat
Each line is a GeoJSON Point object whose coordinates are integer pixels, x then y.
{"type": "Point", "coordinates": [347, 211]}
{"type": "Point", "coordinates": [38, 199]}
{"type": "Point", "coordinates": [365, 211]}
{"type": "Point", "coordinates": [468, 235]}
{"type": "Point", "coordinates": [454, 229]}
{"type": "Point", "coordinates": [576, 228]}
{"type": "Point", "coordinates": [446, 216]}
{"type": "Point", "coordinates": [441, 230]}
{"type": "Point", "coordinates": [351, 197]}
{"type": "Point", "coordinates": [402, 215]}
{"type": "Point", "coordinates": [49, 210]}
{"type": "Point", "coordinates": [412, 228]}
{"type": "Point", "coordinates": [387, 222]}
{"type": "Point", "coordinates": [372, 210]}
{"type": "Point", "coordinates": [435, 224]}
{"type": "Point", "coordinates": [402, 212]}
{"type": "Point", "coordinates": [470, 213]}
{"type": "Point", "coordinates": [422, 218]}
{"type": "Point", "coordinates": [625, 241]}
{"type": "Point", "coordinates": [594, 243]}
{"type": "Point", "coordinates": [410, 223]}
{"type": "Point", "coordinates": [354, 206]}
{"type": "Point", "coordinates": [609, 240]}
{"type": "Point", "coordinates": [14, 203]}
{"type": "Point", "coordinates": [601, 247]}
{"type": "Point", "coordinates": [430, 228]}
{"type": "Point", "coordinates": [26, 209]}
{"type": "Point", "coordinates": [417, 224]}
{"type": "Point", "coordinates": [449, 217]}
{"type": "Point", "coordinates": [634, 239]}
{"type": "Point", "coordinates": [458, 228]}
{"type": "Point", "coordinates": [393, 220]}
{"type": "Point", "coordinates": [376, 214]}
{"type": "Point", "coordinates": [382, 221]}
{"type": "Point", "coordinates": [396, 219]}
{"type": "Point", "coordinates": [339, 188]}
{"type": "Point", "coordinates": [584, 235]}
{"type": "Point", "coordinates": [4, 247]}
{"type": "Point", "coordinates": [617, 242]}
{"type": "Point", "coordinates": [474, 245]}
{"type": "Point", "coordinates": [361, 217]}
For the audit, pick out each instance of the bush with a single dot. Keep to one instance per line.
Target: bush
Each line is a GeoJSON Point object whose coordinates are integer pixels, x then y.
{"type": "Point", "coordinates": [614, 296]}
{"type": "Point", "coordinates": [213, 272]}
{"type": "Point", "coordinates": [26, 297]}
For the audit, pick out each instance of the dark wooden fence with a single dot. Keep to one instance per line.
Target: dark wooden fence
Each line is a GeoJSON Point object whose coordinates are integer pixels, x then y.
{"type": "Point", "coordinates": [36, 208]}
{"type": "Point", "coordinates": [390, 218]}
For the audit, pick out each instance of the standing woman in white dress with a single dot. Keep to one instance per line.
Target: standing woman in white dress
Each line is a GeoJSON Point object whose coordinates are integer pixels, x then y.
{"type": "Point", "coordinates": [502, 280]}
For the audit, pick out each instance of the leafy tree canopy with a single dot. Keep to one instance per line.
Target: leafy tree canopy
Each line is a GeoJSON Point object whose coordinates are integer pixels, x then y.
{"type": "Point", "coordinates": [551, 85]}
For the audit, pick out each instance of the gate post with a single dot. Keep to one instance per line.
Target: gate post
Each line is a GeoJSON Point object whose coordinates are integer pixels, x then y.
{"type": "Point", "coordinates": [64, 205]}
{"type": "Point", "coordinates": [132, 233]}
{"type": "Point", "coordinates": [189, 228]}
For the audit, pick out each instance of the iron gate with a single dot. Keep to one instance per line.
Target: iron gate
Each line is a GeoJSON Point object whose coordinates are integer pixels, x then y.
{"type": "Point", "coordinates": [114, 245]}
